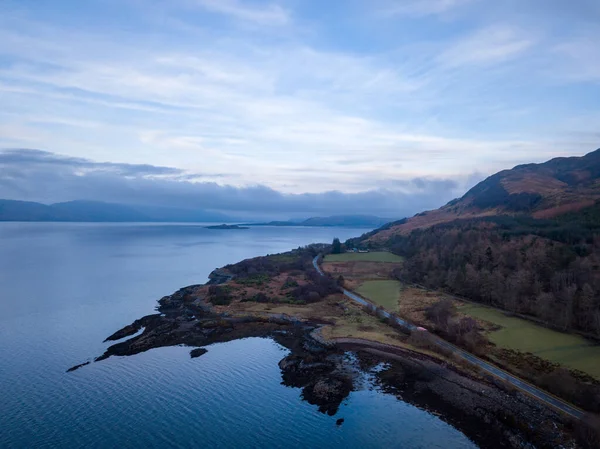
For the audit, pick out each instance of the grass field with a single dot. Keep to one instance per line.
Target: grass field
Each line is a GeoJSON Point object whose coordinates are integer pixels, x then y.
{"type": "Point", "coordinates": [571, 351]}
{"type": "Point", "coordinates": [384, 293]}
{"type": "Point", "coordinates": [364, 257]}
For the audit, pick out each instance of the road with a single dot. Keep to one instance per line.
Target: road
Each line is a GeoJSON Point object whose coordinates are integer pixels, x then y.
{"type": "Point", "coordinates": [485, 366]}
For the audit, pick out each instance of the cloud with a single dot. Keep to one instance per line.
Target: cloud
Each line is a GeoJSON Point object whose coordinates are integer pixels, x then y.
{"type": "Point", "coordinates": [580, 58]}
{"type": "Point", "coordinates": [270, 14]}
{"type": "Point", "coordinates": [419, 8]}
{"type": "Point", "coordinates": [35, 175]}
{"type": "Point", "coordinates": [37, 158]}
{"type": "Point", "coordinates": [304, 107]}
{"type": "Point", "coordinates": [490, 45]}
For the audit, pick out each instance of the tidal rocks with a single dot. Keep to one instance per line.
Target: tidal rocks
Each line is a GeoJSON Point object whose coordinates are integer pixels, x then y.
{"type": "Point", "coordinates": [328, 392]}
{"type": "Point", "coordinates": [177, 299]}
{"type": "Point", "coordinates": [194, 353]}
{"type": "Point", "coordinates": [76, 367]}
{"type": "Point", "coordinates": [134, 327]}
{"type": "Point", "coordinates": [321, 375]}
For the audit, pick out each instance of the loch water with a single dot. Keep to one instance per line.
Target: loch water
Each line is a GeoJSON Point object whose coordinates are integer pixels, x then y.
{"type": "Point", "coordinates": [64, 287]}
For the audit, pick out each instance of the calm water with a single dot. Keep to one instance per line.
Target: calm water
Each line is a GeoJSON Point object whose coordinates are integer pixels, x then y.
{"type": "Point", "coordinates": [65, 287]}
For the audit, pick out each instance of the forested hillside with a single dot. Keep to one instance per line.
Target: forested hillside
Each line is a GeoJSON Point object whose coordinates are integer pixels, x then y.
{"type": "Point", "coordinates": [532, 250]}
{"type": "Point", "coordinates": [545, 270]}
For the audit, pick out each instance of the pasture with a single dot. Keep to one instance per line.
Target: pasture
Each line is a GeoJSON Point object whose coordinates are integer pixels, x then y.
{"type": "Point", "coordinates": [384, 293]}
{"type": "Point", "coordinates": [569, 350]}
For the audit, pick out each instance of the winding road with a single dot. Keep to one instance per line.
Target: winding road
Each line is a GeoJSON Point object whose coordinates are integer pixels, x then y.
{"type": "Point", "coordinates": [541, 395]}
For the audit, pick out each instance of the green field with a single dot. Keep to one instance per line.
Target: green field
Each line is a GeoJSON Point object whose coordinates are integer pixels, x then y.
{"type": "Point", "coordinates": [364, 257]}
{"type": "Point", "coordinates": [571, 351]}
{"type": "Point", "coordinates": [384, 293]}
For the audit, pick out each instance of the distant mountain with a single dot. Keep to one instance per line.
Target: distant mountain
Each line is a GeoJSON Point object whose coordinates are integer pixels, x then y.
{"type": "Point", "coordinates": [542, 191]}
{"type": "Point", "coordinates": [25, 211]}
{"type": "Point", "coordinates": [96, 211]}
{"type": "Point", "coordinates": [351, 221]}
{"type": "Point", "coordinates": [360, 221]}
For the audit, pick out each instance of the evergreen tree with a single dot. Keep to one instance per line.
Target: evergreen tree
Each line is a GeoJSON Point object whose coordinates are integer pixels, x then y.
{"type": "Point", "coordinates": [336, 246]}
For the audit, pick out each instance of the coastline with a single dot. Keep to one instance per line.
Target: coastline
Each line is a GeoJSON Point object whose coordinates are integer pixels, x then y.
{"type": "Point", "coordinates": [483, 408]}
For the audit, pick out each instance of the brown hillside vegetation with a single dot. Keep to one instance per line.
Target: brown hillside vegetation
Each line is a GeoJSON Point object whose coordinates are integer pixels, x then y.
{"type": "Point", "coordinates": [526, 241]}
{"type": "Point", "coordinates": [492, 246]}
{"type": "Point", "coordinates": [541, 190]}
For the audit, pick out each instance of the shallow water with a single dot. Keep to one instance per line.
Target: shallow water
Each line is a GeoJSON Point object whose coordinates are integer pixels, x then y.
{"type": "Point", "coordinates": [66, 287]}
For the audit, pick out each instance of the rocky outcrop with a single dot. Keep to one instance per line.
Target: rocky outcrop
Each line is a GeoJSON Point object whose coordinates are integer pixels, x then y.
{"type": "Point", "coordinates": [219, 276]}
{"type": "Point", "coordinates": [194, 353]}
{"type": "Point", "coordinates": [76, 367]}
{"type": "Point", "coordinates": [320, 372]}
{"type": "Point", "coordinates": [133, 328]}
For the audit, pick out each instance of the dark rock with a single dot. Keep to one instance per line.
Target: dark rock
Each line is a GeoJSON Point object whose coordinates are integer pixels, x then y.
{"type": "Point", "coordinates": [197, 352]}
{"type": "Point", "coordinates": [128, 330]}
{"type": "Point", "coordinates": [339, 422]}
{"type": "Point", "coordinates": [328, 393]}
{"type": "Point", "coordinates": [134, 327]}
{"type": "Point", "coordinates": [76, 367]}
{"type": "Point", "coordinates": [219, 276]}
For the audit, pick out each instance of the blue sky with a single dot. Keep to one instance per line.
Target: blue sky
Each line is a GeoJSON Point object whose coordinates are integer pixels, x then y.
{"type": "Point", "coordinates": [303, 96]}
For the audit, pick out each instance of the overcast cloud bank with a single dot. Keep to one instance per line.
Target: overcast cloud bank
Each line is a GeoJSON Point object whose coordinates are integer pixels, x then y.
{"type": "Point", "coordinates": [34, 175]}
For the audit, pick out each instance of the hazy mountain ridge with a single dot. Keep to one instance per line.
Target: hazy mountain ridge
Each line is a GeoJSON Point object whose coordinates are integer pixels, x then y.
{"type": "Point", "coordinates": [96, 211]}
{"type": "Point", "coordinates": [366, 221]}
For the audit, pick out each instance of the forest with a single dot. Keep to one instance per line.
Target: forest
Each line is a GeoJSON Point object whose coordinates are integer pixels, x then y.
{"type": "Point", "coordinates": [547, 269]}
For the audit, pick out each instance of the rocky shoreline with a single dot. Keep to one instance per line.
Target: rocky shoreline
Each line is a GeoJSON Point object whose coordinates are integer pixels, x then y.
{"type": "Point", "coordinates": [484, 410]}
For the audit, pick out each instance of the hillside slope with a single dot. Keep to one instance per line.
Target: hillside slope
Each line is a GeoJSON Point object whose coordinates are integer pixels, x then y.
{"type": "Point", "coordinates": [526, 240]}
{"type": "Point", "coordinates": [546, 190]}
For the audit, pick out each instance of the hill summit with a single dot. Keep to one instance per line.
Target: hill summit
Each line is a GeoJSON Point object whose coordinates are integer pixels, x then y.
{"type": "Point", "coordinates": [547, 190]}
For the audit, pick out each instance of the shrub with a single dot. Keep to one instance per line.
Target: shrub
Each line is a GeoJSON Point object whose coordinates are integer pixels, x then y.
{"type": "Point", "coordinates": [318, 287]}
{"type": "Point", "coordinates": [259, 297]}
{"type": "Point", "coordinates": [426, 340]}
{"type": "Point", "coordinates": [220, 295]}
{"type": "Point", "coordinates": [290, 282]}
{"type": "Point", "coordinates": [336, 246]}
{"type": "Point", "coordinates": [421, 339]}
{"type": "Point", "coordinates": [587, 431]}
{"type": "Point", "coordinates": [440, 312]}
{"type": "Point", "coordinates": [562, 383]}
{"type": "Point", "coordinates": [258, 279]}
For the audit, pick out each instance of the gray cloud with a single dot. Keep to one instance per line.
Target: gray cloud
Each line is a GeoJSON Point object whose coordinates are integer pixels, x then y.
{"type": "Point", "coordinates": [38, 158]}
{"type": "Point", "coordinates": [35, 175]}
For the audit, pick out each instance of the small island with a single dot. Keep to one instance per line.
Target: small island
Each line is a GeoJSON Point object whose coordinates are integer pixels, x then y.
{"type": "Point", "coordinates": [226, 226]}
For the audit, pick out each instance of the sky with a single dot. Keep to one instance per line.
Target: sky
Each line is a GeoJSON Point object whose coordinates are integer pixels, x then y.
{"type": "Point", "coordinates": [290, 107]}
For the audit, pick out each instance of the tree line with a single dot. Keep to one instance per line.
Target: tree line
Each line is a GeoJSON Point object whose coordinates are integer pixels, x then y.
{"type": "Point", "coordinates": [522, 270]}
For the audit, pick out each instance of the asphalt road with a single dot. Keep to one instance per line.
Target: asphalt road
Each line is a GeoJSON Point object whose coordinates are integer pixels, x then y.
{"type": "Point", "coordinates": [485, 366]}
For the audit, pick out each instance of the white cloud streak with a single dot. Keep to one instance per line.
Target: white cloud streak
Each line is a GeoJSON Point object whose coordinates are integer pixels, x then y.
{"type": "Point", "coordinates": [419, 8]}
{"type": "Point", "coordinates": [492, 45]}
{"type": "Point", "coordinates": [288, 113]}
{"type": "Point", "coordinates": [270, 14]}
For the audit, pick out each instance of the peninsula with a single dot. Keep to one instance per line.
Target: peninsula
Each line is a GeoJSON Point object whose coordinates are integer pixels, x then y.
{"type": "Point", "coordinates": [284, 297]}
{"type": "Point", "coordinates": [483, 310]}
